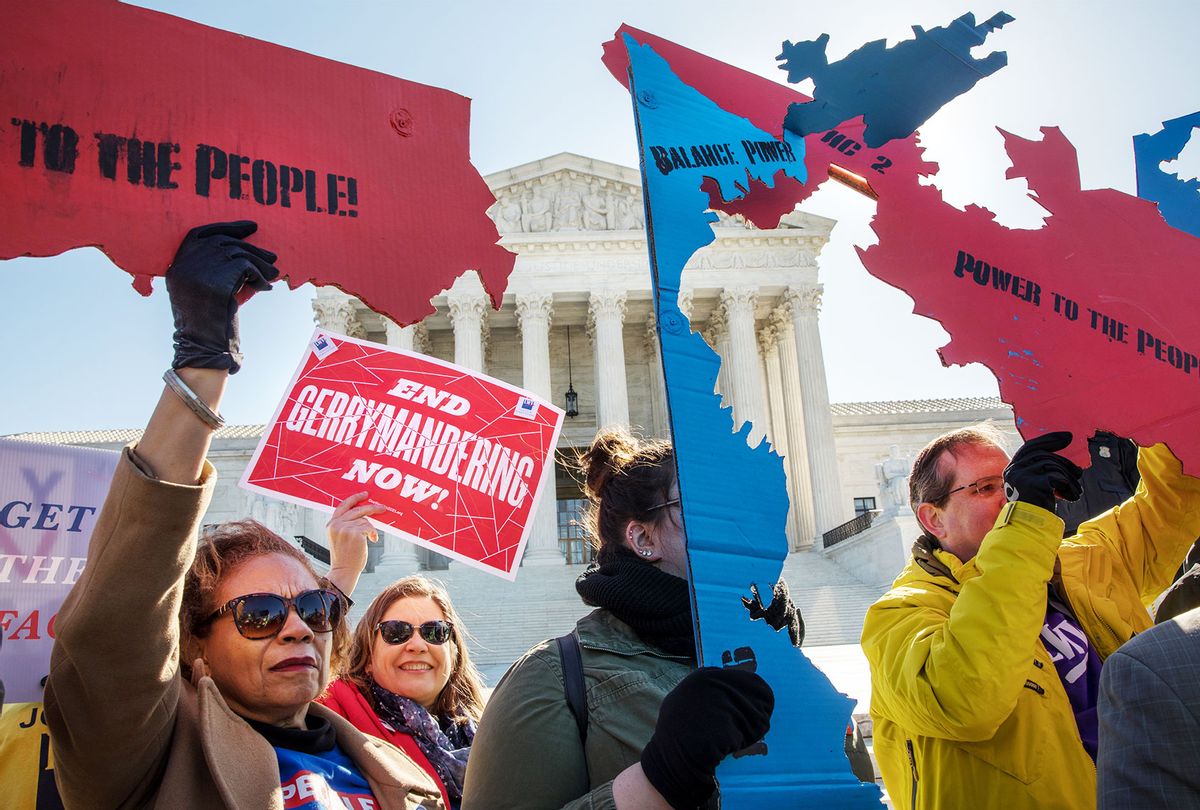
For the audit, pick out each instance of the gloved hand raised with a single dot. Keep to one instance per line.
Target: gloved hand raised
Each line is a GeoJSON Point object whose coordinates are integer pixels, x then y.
{"type": "Point", "coordinates": [709, 715]}
{"type": "Point", "coordinates": [1037, 473]}
{"type": "Point", "coordinates": [212, 264]}
{"type": "Point", "coordinates": [781, 613]}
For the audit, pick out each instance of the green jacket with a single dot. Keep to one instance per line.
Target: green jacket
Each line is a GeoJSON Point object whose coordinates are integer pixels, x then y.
{"type": "Point", "coordinates": [968, 708]}
{"type": "Point", "coordinates": [527, 754]}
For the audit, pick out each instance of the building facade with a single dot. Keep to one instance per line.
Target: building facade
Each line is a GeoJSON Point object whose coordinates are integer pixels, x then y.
{"type": "Point", "coordinates": [577, 315]}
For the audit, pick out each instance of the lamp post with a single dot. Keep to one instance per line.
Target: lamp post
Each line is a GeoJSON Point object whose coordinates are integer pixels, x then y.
{"type": "Point", "coordinates": [572, 397]}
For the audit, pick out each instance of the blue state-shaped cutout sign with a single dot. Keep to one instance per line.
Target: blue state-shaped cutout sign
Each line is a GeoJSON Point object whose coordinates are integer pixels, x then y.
{"type": "Point", "coordinates": [734, 498]}
{"type": "Point", "coordinates": [896, 89]}
{"type": "Point", "coordinates": [1178, 198]}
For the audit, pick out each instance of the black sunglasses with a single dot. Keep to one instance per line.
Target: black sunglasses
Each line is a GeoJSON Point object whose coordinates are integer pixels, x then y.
{"type": "Point", "coordinates": [262, 615]}
{"type": "Point", "coordinates": [398, 632]}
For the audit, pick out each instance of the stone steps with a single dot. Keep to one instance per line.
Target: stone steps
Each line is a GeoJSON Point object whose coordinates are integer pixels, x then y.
{"type": "Point", "coordinates": [505, 619]}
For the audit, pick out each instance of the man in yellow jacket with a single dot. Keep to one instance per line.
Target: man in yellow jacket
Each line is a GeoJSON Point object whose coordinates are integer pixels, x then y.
{"type": "Point", "coordinates": [986, 653]}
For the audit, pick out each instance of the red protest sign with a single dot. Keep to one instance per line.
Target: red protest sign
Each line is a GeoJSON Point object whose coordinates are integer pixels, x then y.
{"type": "Point", "coordinates": [456, 456]}
{"type": "Point", "coordinates": [123, 128]}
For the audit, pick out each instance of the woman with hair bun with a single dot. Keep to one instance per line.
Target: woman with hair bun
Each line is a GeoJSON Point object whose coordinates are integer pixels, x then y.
{"type": "Point", "coordinates": [655, 727]}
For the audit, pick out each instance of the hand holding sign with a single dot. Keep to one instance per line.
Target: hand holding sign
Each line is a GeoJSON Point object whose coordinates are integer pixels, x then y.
{"type": "Point", "coordinates": [349, 532]}
{"type": "Point", "coordinates": [712, 713]}
{"type": "Point", "coordinates": [213, 266]}
{"type": "Point", "coordinates": [331, 160]}
{"type": "Point", "coordinates": [1038, 475]}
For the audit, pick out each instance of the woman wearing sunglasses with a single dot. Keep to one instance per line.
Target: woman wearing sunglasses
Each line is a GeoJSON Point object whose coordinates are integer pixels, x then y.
{"type": "Point", "coordinates": [411, 682]}
{"type": "Point", "coordinates": [653, 728]}
{"type": "Point", "coordinates": [184, 677]}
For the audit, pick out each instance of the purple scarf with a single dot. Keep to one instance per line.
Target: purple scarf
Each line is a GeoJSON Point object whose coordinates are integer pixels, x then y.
{"type": "Point", "coordinates": [445, 742]}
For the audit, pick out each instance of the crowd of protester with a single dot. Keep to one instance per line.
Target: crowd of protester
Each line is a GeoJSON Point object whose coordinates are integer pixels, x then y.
{"type": "Point", "coordinates": [1011, 667]}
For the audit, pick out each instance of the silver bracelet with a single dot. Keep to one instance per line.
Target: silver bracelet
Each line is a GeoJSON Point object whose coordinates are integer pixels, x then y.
{"type": "Point", "coordinates": [198, 406]}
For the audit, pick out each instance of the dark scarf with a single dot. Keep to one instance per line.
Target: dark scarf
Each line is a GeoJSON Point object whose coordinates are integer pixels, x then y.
{"type": "Point", "coordinates": [922, 552]}
{"type": "Point", "coordinates": [446, 743]}
{"type": "Point", "coordinates": [316, 737]}
{"type": "Point", "coordinates": [657, 605]}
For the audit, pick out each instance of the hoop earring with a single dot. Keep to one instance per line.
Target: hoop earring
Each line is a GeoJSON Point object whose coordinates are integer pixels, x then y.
{"type": "Point", "coordinates": [646, 552]}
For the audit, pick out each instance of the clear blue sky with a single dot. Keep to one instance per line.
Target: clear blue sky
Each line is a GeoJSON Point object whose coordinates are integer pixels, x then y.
{"type": "Point", "coordinates": [85, 351]}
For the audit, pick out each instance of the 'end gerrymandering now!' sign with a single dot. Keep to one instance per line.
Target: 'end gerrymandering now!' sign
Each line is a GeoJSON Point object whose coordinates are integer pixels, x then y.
{"type": "Point", "coordinates": [456, 457]}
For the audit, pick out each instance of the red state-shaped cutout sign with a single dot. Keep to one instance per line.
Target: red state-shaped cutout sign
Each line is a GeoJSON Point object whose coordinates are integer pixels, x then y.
{"type": "Point", "coordinates": [123, 128]}
{"type": "Point", "coordinates": [1087, 322]}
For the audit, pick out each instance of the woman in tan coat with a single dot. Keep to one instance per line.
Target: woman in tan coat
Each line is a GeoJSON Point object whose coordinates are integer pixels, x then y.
{"type": "Point", "coordinates": [185, 678]}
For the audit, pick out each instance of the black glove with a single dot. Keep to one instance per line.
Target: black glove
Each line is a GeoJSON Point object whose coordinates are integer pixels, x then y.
{"type": "Point", "coordinates": [709, 715]}
{"type": "Point", "coordinates": [1037, 473]}
{"type": "Point", "coordinates": [781, 613]}
{"type": "Point", "coordinates": [210, 267]}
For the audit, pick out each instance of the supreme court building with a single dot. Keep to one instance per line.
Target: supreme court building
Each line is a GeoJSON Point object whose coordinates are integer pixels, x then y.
{"type": "Point", "coordinates": [577, 315]}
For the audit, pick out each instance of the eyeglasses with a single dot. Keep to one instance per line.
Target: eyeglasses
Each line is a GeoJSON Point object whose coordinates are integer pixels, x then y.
{"type": "Point", "coordinates": [262, 615]}
{"type": "Point", "coordinates": [397, 632]}
{"type": "Point", "coordinates": [984, 487]}
{"type": "Point", "coordinates": [664, 504]}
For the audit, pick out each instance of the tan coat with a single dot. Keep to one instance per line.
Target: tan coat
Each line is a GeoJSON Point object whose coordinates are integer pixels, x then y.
{"type": "Point", "coordinates": [126, 729]}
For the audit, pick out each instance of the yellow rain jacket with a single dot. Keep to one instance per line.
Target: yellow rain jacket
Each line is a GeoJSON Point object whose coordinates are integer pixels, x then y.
{"type": "Point", "coordinates": [968, 709]}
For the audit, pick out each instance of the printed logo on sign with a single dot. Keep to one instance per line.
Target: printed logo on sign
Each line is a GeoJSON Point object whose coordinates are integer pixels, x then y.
{"type": "Point", "coordinates": [323, 347]}
{"type": "Point", "coordinates": [527, 408]}
{"type": "Point", "coordinates": [1067, 642]}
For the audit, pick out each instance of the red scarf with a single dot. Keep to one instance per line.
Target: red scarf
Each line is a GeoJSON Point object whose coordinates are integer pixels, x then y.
{"type": "Point", "coordinates": [344, 698]}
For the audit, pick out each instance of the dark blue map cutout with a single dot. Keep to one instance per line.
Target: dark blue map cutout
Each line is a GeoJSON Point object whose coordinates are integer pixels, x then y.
{"type": "Point", "coordinates": [897, 89]}
{"type": "Point", "coordinates": [1178, 199]}
{"type": "Point", "coordinates": [734, 497]}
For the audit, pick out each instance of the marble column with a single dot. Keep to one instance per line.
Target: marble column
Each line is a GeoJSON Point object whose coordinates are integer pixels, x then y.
{"type": "Point", "coordinates": [800, 491]}
{"type": "Point", "coordinates": [401, 337]}
{"type": "Point", "coordinates": [337, 313]}
{"type": "Point", "coordinates": [533, 319]}
{"type": "Point", "coordinates": [716, 334]}
{"type": "Point", "coordinates": [768, 352]}
{"type": "Point", "coordinates": [768, 340]}
{"type": "Point", "coordinates": [411, 338]}
{"type": "Point", "coordinates": [745, 370]}
{"type": "Point", "coordinates": [828, 508]}
{"type": "Point", "coordinates": [764, 376]}
{"type": "Point", "coordinates": [467, 313]}
{"type": "Point", "coordinates": [399, 558]}
{"type": "Point", "coordinates": [606, 309]}
{"type": "Point", "coordinates": [422, 342]}
{"type": "Point", "coordinates": [687, 298]}
{"type": "Point", "coordinates": [659, 420]}
{"type": "Point", "coordinates": [799, 480]}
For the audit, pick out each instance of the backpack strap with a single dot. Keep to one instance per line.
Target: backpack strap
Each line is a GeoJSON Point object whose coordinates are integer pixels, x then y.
{"type": "Point", "coordinates": [572, 665]}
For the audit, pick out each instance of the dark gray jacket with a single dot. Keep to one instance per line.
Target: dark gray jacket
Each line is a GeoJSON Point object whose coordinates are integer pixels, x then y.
{"type": "Point", "coordinates": [1149, 754]}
